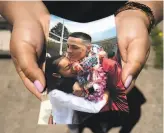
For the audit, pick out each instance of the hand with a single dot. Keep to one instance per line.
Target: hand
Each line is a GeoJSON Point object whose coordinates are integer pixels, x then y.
{"type": "Point", "coordinates": [133, 43]}
{"type": "Point", "coordinates": [26, 45]}
{"type": "Point", "coordinates": [77, 89]}
{"type": "Point", "coordinates": [106, 96]}
{"type": "Point", "coordinates": [77, 67]}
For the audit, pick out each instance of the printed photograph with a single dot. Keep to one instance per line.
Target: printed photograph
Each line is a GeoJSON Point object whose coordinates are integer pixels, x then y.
{"type": "Point", "coordinates": [83, 71]}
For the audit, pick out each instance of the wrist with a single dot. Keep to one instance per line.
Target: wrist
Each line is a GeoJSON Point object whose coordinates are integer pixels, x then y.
{"type": "Point", "coordinates": [156, 7]}
{"type": "Point", "coordinates": [142, 8]}
{"type": "Point", "coordinates": [131, 14]}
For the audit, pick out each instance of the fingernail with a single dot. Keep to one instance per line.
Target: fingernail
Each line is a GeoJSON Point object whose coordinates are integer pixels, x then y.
{"type": "Point", "coordinates": [128, 81]}
{"type": "Point", "coordinates": [38, 85]}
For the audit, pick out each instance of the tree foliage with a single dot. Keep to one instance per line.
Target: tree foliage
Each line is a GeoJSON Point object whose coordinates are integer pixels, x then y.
{"type": "Point", "coordinates": [157, 42]}
{"type": "Point", "coordinates": [58, 31]}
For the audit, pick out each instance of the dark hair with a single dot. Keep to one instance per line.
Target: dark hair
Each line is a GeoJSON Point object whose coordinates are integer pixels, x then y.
{"type": "Point", "coordinates": [64, 84]}
{"type": "Point", "coordinates": [55, 64]}
{"type": "Point", "coordinates": [52, 64]}
{"type": "Point", "coordinates": [81, 35]}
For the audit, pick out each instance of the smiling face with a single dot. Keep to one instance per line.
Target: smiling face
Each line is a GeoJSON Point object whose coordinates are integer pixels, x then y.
{"type": "Point", "coordinates": [77, 49]}
{"type": "Point", "coordinates": [65, 68]}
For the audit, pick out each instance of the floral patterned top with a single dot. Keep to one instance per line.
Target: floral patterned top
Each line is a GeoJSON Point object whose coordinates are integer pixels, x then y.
{"type": "Point", "coordinates": [91, 74]}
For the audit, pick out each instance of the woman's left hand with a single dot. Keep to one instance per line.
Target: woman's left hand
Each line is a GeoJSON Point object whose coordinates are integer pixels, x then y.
{"type": "Point", "coordinates": [133, 43]}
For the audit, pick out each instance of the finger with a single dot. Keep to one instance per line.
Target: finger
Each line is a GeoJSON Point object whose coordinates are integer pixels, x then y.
{"type": "Point", "coordinates": [26, 50]}
{"type": "Point", "coordinates": [75, 93]}
{"type": "Point", "coordinates": [81, 68]}
{"type": "Point", "coordinates": [26, 81]}
{"type": "Point", "coordinates": [131, 86]}
{"type": "Point", "coordinates": [26, 59]}
{"type": "Point", "coordinates": [137, 54]}
{"type": "Point", "coordinates": [79, 93]}
{"type": "Point", "coordinates": [123, 46]}
{"type": "Point", "coordinates": [43, 67]}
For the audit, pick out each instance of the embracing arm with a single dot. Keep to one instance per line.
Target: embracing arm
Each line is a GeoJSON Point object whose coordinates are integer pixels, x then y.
{"type": "Point", "coordinates": [74, 102]}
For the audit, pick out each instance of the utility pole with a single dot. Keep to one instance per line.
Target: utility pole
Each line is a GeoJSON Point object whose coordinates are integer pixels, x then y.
{"type": "Point", "coordinates": [61, 40]}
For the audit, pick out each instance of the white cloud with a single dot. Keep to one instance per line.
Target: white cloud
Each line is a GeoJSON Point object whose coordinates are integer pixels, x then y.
{"type": "Point", "coordinates": [90, 27]}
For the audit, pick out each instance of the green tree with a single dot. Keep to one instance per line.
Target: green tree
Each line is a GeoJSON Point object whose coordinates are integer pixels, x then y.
{"type": "Point", "coordinates": [157, 42]}
{"type": "Point", "coordinates": [58, 31]}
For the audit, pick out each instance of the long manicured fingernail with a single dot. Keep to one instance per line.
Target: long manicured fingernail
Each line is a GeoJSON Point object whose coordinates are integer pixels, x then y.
{"type": "Point", "coordinates": [128, 81]}
{"type": "Point", "coordinates": [38, 85]}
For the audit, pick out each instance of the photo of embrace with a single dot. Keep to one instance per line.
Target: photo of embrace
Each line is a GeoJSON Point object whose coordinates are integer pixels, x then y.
{"type": "Point", "coordinates": [83, 70]}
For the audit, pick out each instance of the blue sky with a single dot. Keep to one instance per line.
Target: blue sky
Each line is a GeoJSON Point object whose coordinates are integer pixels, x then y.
{"type": "Point", "coordinates": [103, 35]}
{"type": "Point", "coordinates": [55, 18]}
{"type": "Point", "coordinates": [99, 30]}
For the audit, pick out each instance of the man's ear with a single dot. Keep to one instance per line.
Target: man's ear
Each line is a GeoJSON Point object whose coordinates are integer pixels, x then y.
{"type": "Point", "coordinates": [56, 75]}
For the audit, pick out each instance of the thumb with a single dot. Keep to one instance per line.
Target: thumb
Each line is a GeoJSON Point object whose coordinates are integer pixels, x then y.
{"type": "Point", "coordinates": [25, 60]}
{"type": "Point", "coordinates": [31, 70]}
{"type": "Point", "coordinates": [137, 55]}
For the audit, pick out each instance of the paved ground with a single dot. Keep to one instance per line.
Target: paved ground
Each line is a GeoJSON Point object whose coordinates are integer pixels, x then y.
{"type": "Point", "coordinates": [19, 109]}
{"type": "Point", "coordinates": [4, 39]}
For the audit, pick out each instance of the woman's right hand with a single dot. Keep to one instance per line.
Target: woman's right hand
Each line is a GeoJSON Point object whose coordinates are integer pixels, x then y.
{"type": "Point", "coordinates": [77, 67]}
{"type": "Point", "coordinates": [30, 22]}
{"type": "Point", "coordinates": [77, 90]}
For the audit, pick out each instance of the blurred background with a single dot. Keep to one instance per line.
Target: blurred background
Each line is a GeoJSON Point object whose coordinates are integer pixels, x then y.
{"type": "Point", "coordinates": [20, 109]}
